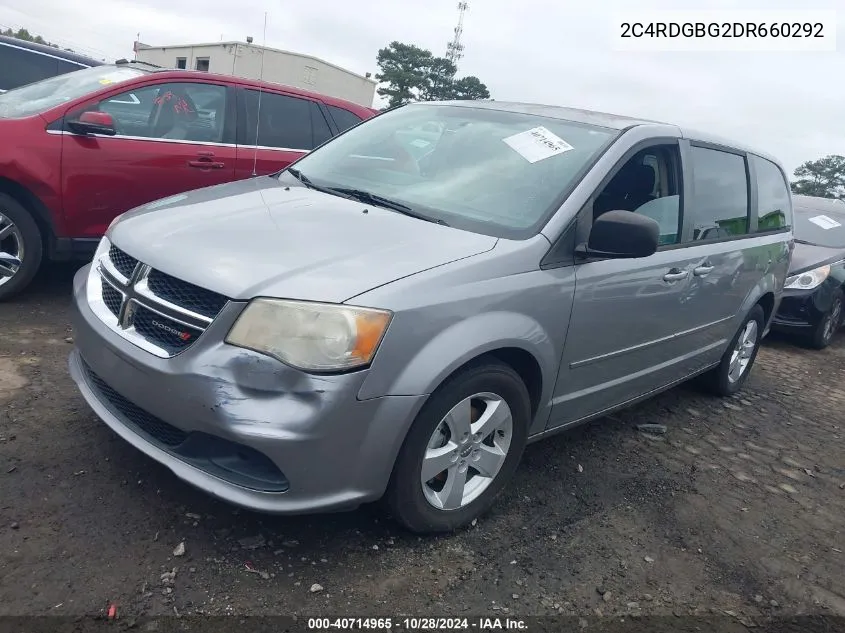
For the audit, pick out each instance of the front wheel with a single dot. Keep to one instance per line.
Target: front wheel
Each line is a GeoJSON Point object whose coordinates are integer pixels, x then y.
{"type": "Point", "coordinates": [730, 374]}
{"type": "Point", "coordinates": [20, 247]}
{"type": "Point", "coordinates": [823, 333]}
{"type": "Point", "coordinates": [461, 450]}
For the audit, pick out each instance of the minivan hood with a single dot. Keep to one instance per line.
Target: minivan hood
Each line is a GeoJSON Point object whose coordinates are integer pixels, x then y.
{"type": "Point", "coordinates": [808, 256]}
{"type": "Point", "coordinates": [258, 237]}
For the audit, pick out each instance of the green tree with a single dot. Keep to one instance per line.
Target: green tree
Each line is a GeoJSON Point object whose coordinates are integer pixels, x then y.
{"type": "Point", "coordinates": [410, 73]}
{"type": "Point", "coordinates": [404, 70]}
{"type": "Point", "coordinates": [25, 35]}
{"type": "Point", "coordinates": [824, 177]}
{"type": "Point", "coordinates": [439, 77]}
{"type": "Point", "coordinates": [469, 88]}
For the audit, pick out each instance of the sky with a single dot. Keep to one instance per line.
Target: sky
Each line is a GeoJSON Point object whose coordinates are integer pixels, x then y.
{"type": "Point", "coordinates": [789, 104]}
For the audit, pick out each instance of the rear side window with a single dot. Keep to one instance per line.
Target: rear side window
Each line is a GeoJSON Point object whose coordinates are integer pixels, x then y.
{"type": "Point", "coordinates": [19, 67]}
{"type": "Point", "coordinates": [285, 121]}
{"type": "Point", "coordinates": [344, 118]}
{"type": "Point", "coordinates": [720, 194]}
{"type": "Point", "coordinates": [773, 197]}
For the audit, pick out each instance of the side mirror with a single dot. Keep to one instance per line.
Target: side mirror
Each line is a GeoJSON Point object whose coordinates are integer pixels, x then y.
{"type": "Point", "coordinates": [93, 122]}
{"type": "Point", "coordinates": [622, 234]}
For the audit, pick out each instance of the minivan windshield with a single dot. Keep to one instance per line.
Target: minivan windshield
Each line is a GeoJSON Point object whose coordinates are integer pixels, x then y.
{"type": "Point", "coordinates": [42, 95]}
{"type": "Point", "coordinates": [486, 170]}
{"type": "Point", "coordinates": [822, 228]}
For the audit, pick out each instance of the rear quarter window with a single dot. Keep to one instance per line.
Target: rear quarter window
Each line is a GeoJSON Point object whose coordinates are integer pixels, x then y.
{"type": "Point", "coordinates": [773, 196]}
{"type": "Point", "coordinates": [343, 118]}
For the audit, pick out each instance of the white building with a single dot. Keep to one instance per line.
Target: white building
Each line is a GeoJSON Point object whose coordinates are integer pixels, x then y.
{"type": "Point", "coordinates": [284, 67]}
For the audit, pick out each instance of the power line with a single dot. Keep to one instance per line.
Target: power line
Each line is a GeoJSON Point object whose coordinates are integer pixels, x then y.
{"type": "Point", "coordinates": [61, 43]}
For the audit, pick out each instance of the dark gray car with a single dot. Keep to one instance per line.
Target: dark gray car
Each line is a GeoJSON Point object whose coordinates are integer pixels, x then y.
{"type": "Point", "coordinates": [397, 316]}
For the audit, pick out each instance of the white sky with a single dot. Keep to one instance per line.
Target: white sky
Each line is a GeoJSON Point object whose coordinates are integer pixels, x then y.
{"type": "Point", "coordinates": [791, 105]}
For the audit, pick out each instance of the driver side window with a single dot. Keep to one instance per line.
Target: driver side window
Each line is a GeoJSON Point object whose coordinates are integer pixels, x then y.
{"type": "Point", "coordinates": [178, 111]}
{"type": "Point", "coordinates": [648, 183]}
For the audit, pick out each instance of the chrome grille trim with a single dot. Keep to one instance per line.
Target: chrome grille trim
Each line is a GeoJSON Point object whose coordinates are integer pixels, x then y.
{"type": "Point", "coordinates": [142, 287]}
{"type": "Point", "coordinates": [114, 273]}
{"type": "Point", "coordinates": [135, 292]}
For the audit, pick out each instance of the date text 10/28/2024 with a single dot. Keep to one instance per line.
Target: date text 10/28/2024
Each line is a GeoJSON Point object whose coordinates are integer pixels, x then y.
{"type": "Point", "coordinates": [417, 624]}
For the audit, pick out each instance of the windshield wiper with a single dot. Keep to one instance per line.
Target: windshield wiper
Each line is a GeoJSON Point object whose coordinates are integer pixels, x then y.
{"type": "Point", "coordinates": [305, 180]}
{"type": "Point", "coordinates": [301, 177]}
{"type": "Point", "coordinates": [381, 201]}
{"type": "Point", "coordinates": [364, 196]}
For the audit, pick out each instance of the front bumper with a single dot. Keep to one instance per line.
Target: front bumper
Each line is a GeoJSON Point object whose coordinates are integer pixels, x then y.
{"type": "Point", "coordinates": [239, 425]}
{"type": "Point", "coordinates": [802, 309]}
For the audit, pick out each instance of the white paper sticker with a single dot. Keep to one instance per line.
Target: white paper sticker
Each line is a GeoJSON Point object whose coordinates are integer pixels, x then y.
{"type": "Point", "coordinates": [825, 222]}
{"type": "Point", "coordinates": [537, 143]}
{"type": "Point", "coordinates": [418, 142]}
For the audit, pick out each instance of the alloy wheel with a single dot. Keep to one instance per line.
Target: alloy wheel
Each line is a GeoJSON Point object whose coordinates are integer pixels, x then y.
{"type": "Point", "coordinates": [744, 350]}
{"type": "Point", "coordinates": [466, 451]}
{"type": "Point", "coordinates": [11, 249]}
{"type": "Point", "coordinates": [833, 320]}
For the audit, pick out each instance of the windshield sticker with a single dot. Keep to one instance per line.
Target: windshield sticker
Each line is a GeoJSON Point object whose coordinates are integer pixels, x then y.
{"type": "Point", "coordinates": [537, 144]}
{"type": "Point", "coordinates": [825, 222]}
{"type": "Point", "coordinates": [418, 142]}
{"type": "Point", "coordinates": [115, 77]}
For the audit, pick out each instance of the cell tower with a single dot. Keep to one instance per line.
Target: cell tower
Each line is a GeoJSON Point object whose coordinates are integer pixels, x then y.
{"type": "Point", "coordinates": [454, 49]}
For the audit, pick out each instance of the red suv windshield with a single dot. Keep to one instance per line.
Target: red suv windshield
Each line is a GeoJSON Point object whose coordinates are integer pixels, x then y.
{"type": "Point", "coordinates": [42, 95]}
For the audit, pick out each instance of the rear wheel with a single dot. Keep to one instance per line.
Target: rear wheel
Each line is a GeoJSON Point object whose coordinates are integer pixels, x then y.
{"type": "Point", "coordinates": [730, 374]}
{"type": "Point", "coordinates": [823, 333]}
{"type": "Point", "coordinates": [21, 248]}
{"type": "Point", "coordinates": [462, 449]}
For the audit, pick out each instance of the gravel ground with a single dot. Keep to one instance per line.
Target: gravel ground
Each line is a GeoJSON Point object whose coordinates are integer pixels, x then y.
{"type": "Point", "coordinates": [737, 509]}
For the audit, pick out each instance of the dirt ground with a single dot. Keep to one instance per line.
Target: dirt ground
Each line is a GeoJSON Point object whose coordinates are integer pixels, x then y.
{"type": "Point", "coordinates": [737, 509]}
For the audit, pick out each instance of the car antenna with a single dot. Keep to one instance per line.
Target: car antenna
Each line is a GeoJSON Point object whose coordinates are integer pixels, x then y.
{"type": "Point", "coordinates": [258, 111]}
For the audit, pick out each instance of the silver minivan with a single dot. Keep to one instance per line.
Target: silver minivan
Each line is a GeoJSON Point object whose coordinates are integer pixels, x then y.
{"type": "Point", "coordinates": [397, 314]}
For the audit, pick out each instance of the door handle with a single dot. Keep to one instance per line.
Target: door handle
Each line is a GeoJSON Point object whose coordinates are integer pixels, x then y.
{"type": "Point", "coordinates": [702, 271]}
{"type": "Point", "coordinates": [205, 163]}
{"type": "Point", "coordinates": [676, 274]}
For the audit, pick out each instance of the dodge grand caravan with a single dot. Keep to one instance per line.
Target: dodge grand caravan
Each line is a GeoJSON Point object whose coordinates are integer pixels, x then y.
{"type": "Point", "coordinates": [81, 148]}
{"type": "Point", "coordinates": [379, 322]}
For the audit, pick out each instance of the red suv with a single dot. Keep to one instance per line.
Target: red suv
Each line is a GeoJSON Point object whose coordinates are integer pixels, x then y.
{"type": "Point", "coordinates": [79, 149]}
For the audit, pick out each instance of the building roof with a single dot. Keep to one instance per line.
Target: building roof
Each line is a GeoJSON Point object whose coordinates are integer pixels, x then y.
{"type": "Point", "coordinates": [142, 46]}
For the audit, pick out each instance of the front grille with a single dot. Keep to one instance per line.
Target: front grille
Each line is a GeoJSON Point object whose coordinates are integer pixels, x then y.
{"type": "Point", "coordinates": [188, 296]}
{"type": "Point", "coordinates": [150, 425]}
{"type": "Point", "coordinates": [156, 311]}
{"type": "Point", "coordinates": [112, 298]}
{"type": "Point", "coordinates": [123, 263]}
{"type": "Point", "coordinates": [167, 333]}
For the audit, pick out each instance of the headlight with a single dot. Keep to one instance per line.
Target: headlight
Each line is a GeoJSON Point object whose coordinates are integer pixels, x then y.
{"type": "Point", "coordinates": [311, 336]}
{"type": "Point", "coordinates": [808, 280]}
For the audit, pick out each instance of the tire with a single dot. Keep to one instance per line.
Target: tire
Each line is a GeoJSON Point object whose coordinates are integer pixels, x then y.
{"type": "Point", "coordinates": [823, 332]}
{"type": "Point", "coordinates": [26, 237]}
{"type": "Point", "coordinates": [721, 380]}
{"type": "Point", "coordinates": [479, 392]}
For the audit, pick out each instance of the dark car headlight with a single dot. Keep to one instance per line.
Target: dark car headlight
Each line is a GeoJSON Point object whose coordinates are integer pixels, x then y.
{"type": "Point", "coordinates": [808, 279]}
